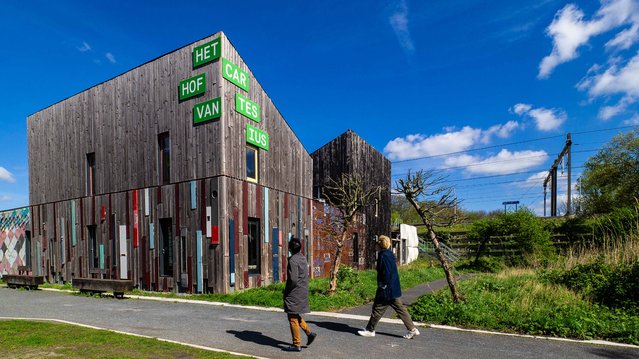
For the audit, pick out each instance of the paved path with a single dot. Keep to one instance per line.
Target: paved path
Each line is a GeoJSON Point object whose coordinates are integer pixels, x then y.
{"type": "Point", "coordinates": [264, 333]}
{"type": "Point", "coordinates": [409, 296]}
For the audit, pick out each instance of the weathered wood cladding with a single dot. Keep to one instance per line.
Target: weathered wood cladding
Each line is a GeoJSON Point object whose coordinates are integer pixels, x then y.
{"type": "Point", "coordinates": [286, 165]}
{"type": "Point", "coordinates": [62, 259]}
{"type": "Point", "coordinates": [119, 121]}
{"type": "Point", "coordinates": [349, 153]}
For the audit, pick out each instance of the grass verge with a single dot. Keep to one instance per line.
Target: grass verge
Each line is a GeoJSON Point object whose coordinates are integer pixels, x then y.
{"type": "Point", "coordinates": [519, 301]}
{"type": "Point", "coordinates": [29, 339]}
{"type": "Point", "coordinates": [357, 289]}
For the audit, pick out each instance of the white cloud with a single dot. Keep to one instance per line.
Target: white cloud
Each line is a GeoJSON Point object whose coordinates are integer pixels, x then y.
{"type": "Point", "coordinates": [633, 121]}
{"type": "Point", "coordinates": [6, 175]}
{"type": "Point", "coordinates": [534, 180]}
{"type": "Point", "coordinates": [521, 108]}
{"type": "Point", "coordinates": [418, 145]}
{"type": "Point", "coordinates": [85, 47]}
{"type": "Point", "coordinates": [399, 22]}
{"type": "Point", "coordinates": [502, 163]}
{"type": "Point", "coordinates": [110, 57]}
{"type": "Point", "coordinates": [545, 119]}
{"type": "Point", "coordinates": [501, 131]}
{"type": "Point", "coordinates": [614, 80]}
{"type": "Point", "coordinates": [5, 198]}
{"type": "Point", "coordinates": [570, 31]}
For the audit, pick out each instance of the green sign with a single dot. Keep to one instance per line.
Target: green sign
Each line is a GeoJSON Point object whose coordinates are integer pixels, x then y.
{"type": "Point", "coordinates": [207, 110]}
{"type": "Point", "coordinates": [206, 53]}
{"type": "Point", "coordinates": [192, 86]}
{"type": "Point", "coordinates": [256, 137]}
{"type": "Point", "coordinates": [247, 107]}
{"type": "Point", "coordinates": [236, 75]}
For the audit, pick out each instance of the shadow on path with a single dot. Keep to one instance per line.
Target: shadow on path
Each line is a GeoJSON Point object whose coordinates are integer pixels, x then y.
{"type": "Point", "coordinates": [336, 327]}
{"type": "Point", "coordinates": [258, 338]}
{"type": "Point", "coordinates": [345, 328]}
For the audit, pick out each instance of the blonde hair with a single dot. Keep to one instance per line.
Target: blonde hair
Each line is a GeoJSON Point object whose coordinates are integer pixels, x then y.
{"type": "Point", "coordinates": [384, 242]}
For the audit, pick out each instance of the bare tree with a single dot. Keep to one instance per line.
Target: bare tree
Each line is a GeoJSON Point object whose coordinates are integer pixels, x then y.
{"type": "Point", "coordinates": [349, 197]}
{"type": "Point", "coordinates": [436, 205]}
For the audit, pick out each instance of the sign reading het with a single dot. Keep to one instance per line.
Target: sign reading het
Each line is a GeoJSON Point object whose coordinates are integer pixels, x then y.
{"type": "Point", "coordinates": [206, 53]}
{"type": "Point", "coordinates": [236, 75]}
{"type": "Point", "coordinates": [256, 137]}
{"type": "Point", "coordinates": [247, 107]}
{"type": "Point", "coordinates": [207, 110]}
{"type": "Point", "coordinates": [192, 86]}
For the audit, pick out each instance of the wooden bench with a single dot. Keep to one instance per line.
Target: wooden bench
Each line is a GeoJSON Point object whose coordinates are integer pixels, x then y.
{"type": "Point", "coordinates": [93, 285]}
{"type": "Point", "coordinates": [21, 280]}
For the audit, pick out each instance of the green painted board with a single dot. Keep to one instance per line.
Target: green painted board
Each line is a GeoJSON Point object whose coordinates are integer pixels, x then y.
{"type": "Point", "coordinates": [235, 74]}
{"type": "Point", "coordinates": [247, 107]}
{"type": "Point", "coordinates": [192, 86]}
{"type": "Point", "coordinates": [206, 53]}
{"type": "Point", "coordinates": [207, 110]}
{"type": "Point", "coordinates": [256, 137]}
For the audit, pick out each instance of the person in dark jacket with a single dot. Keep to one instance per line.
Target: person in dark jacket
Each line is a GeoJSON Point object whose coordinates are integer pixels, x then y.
{"type": "Point", "coordinates": [388, 292]}
{"type": "Point", "coordinates": [296, 295]}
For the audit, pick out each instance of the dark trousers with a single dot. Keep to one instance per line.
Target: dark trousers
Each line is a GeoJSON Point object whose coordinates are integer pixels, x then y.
{"type": "Point", "coordinates": [379, 308]}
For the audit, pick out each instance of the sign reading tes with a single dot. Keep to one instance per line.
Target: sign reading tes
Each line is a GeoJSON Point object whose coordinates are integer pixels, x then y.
{"type": "Point", "coordinates": [236, 75]}
{"type": "Point", "coordinates": [256, 137]}
{"type": "Point", "coordinates": [207, 110]}
{"type": "Point", "coordinates": [247, 107]}
{"type": "Point", "coordinates": [192, 86]}
{"type": "Point", "coordinates": [206, 53]}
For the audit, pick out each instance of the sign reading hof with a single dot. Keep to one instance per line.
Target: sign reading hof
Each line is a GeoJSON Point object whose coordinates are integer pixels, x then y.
{"type": "Point", "coordinates": [206, 53]}
{"type": "Point", "coordinates": [207, 110]}
{"type": "Point", "coordinates": [236, 75]}
{"type": "Point", "coordinates": [247, 107]}
{"type": "Point", "coordinates": [192, 86]}
{"type": "Point", "coordinates": [256, 137]}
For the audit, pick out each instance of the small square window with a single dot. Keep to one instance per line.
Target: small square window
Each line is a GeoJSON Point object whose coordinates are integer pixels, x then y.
{"type": "Point", "coordinates": [252, 168]}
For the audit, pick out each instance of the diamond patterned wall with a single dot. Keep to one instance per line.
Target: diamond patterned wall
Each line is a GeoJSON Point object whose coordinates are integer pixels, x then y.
{"type": "Point", "coordinates": [13, 226]}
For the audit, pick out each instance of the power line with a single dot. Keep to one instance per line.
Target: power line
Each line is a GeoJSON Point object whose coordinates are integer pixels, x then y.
{"type": "Point", "coordinates": [512, 143]}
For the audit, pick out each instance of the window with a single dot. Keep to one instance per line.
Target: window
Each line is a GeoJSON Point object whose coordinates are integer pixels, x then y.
{"type": "Point", "coordinates": [164, 149]}
{"type": "Point", "coordinates": [90, 174]}
{"type": "Point", "coordinates": [254, 249]}
{"type": "Point", "coordinates": [93, 248]}
{"type": "Point", "coordinates": [183, 260]}
{"type": "Point", "coordinates": [251, 163]}
{"type": "Point", "coordinates": [166, 247]}
{"type": "Point", "coordinates": [27, 248]}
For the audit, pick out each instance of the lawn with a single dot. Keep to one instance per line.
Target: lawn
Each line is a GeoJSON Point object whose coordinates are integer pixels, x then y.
{"type": "Point", "coordinates": [30, 339]}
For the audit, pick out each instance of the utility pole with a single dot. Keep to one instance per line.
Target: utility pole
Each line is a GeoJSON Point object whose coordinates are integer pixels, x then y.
{"type": "Point", "coordinates": [552, 176]}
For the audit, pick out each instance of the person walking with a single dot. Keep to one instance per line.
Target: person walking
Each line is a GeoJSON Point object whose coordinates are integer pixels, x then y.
{"type": "Point", "coordinates": [388, 292]}
{"type": "Point", "coordinates": [296, 295]}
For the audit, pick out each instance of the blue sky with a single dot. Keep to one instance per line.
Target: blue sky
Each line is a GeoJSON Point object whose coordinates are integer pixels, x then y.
{"type": "Point", "coordinates": [498, 84]}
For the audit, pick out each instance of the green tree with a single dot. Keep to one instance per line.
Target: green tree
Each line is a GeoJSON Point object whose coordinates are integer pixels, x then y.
{"type": "Point", "coordinates": [611, 177]}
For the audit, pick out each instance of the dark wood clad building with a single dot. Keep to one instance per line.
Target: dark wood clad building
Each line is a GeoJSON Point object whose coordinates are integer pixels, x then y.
{"type": "Point", "coordinates": [180, 175]}
{"type": "Point", "coordinates": [349, 153]}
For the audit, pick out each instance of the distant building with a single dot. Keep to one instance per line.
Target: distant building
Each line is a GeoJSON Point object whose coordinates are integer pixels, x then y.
{"type": "Point", "coordinates": [349, 153]}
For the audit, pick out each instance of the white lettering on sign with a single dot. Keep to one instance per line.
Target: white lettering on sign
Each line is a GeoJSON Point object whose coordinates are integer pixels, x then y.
{"type": "Point", "coordinates": [193, 86]}
{"type": "Point", "coordinates": [208, 110]}
{"type": "Point", "coordinates": [235, 75]}
{"type": "Point", "coordinates": [206, 52]}
{"type": "Point", "coordinates": [256, 137]}
{"type": "Point", "coordinates": [247, 107]}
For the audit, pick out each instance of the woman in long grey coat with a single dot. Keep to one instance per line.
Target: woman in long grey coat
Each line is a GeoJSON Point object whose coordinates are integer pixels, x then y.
{"type": "Point", "coordinates": [296, 295]}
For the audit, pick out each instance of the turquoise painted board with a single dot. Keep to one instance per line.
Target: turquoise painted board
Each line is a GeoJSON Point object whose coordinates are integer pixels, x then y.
{"type": "Point", "coordinates": [232, 250]}
{"type": "Point", "coordinates": [193, 196]}
{"type": "Point", "coordinates": [151, 236]}
{"type": "Point", "coordinates": [73, 239]}
{"type": "Point", "coordinates": [198, 254]}
{"type": "Point", "coordinates": [101, 256]}
{"type": "Point", "coordinates": [62, 248]}
{"type": "Point", "coordinates": [266, 231]}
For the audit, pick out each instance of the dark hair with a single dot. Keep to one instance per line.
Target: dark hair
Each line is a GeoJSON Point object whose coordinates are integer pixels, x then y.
{"type": "Point", "coordinates": [294, 245]}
